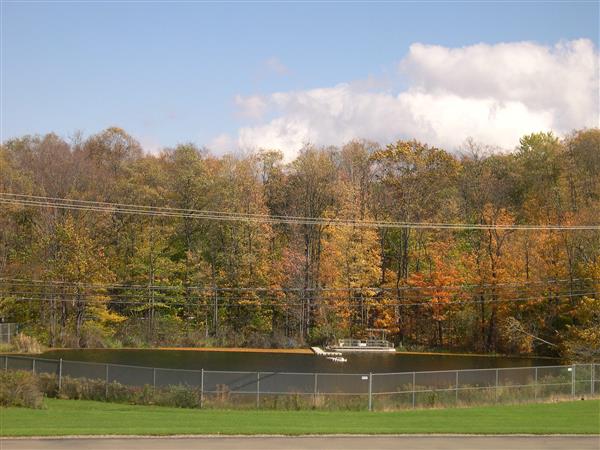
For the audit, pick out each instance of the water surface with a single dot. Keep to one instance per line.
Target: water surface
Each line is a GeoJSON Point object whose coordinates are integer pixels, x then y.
{"type": "Point", "coordinates": [293, 362]}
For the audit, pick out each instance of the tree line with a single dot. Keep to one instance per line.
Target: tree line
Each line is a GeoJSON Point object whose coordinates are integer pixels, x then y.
{"type": "Point", "coordinates": [88, 278]}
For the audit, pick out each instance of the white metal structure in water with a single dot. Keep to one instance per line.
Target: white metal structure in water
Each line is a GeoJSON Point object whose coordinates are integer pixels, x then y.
{"type": "Point", "coordinates": [369, 345]}
{"type": "Point", "coordinates": [338, 359]}
{"type": "Point", "coordinates": [319, 351]}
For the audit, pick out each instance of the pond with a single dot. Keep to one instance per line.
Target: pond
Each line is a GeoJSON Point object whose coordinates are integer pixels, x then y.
{"type": "Point", "coordinates": [275, 361]}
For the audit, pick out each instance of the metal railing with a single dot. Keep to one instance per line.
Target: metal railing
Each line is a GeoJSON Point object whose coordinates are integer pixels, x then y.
{"type": "Point", "coordinates": [364, 343]}
{"type": "Point", "coordinates": [370, 391]}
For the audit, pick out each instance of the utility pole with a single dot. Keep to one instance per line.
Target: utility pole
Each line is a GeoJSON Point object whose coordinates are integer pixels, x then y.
{"type": "Point", "coordinates": [150, 287]}
{"type": "Point", "coordinates": [215, 310]}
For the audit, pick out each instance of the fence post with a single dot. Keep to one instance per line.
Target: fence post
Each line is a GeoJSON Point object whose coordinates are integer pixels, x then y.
{"type": "Point", "coordinates": [315, 392]}
{"type": "Point", "coordinates": [106, 383]}
{"type": "Point", "coordinates": [535, 383]}
{"type": "Point", "coordinates": [59, 374]}
{"type": "Point", "coordinates": [456, 388]}
{"type": "Point", "coordinates": [573, 380]}
{"type": "Point", "coordinates": [5, 362]}
{"type": "Point", "coordinates": [413, 390]}
{"type": "Point", "coordinates": [257, 390]}
{"type": "Point", "coordinates": [370, 391]}
{"type": "Point", "coordinates": [496, 388]}
{"type": "Point", "coordinates": [593, 378]}
{"type": "Point", "coordinates": [33, 366]}
{"type": "Point", "coordinates": [201, 388]}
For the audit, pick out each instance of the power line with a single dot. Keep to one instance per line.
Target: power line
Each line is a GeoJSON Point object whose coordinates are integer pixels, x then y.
{"type": "Point", "coordinates": [226, 302]}
{"type": "Point", "coordinates": [114, 298]}
{"type": "Point", "coordinates": [123, 208]}
{"type": "Point", "coordinates": [211, 289]}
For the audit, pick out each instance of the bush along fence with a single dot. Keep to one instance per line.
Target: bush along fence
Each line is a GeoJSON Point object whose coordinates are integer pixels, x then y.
{"type": "Point", "coordinates": [284, 390]}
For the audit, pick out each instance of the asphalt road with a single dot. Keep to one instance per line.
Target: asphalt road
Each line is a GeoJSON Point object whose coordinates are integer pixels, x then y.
{"type": "Point", "coordinates": [312, 442]}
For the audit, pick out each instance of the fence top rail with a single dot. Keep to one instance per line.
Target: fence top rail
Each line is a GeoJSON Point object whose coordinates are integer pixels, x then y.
{"type": "Point", "coordinates": [569, 366]}
{"type": "Point", "coordinates": [170, 369]}
{"type": "Point", "coordinates": [232, 391]}
{"type": "Point", "coordinates": [233, 372]}
{"type": "Point", "coordinates": [89, 363]}
{"type": "Point", "coordinates": [276, 372]}
{"type": "Point", "coordinates": [559, 367]}
{"type": "Point", "coordinates": [364, 374]}
{"type": "Point", "coordinates": [436, 371]}
{"type": "Point", "coordinates": [128, 366]}
{"type": "Point", "coordinates": [528, 367]}
{"type": "Point", "coordinates": [104, 364]}
{"type": "Point", "coordinates": [385, 374]}
{"type": "Point", "coordinates": [30, 358]}
{"type": "Point", "coordinates": [486, 369]}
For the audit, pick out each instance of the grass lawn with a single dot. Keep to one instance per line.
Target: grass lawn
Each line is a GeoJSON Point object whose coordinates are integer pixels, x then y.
{"type": "Point", "coordinates": [80, 417]}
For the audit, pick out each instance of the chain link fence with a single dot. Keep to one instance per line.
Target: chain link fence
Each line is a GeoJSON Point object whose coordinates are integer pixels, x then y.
{"type": "Point", "coordinates": [372, 391]}
{"type": "Point", "coordinates": [7, 332]}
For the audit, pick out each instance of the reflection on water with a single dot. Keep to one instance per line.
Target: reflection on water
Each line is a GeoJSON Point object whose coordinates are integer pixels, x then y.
{"type": "Point", "coordinates": [286, 362]}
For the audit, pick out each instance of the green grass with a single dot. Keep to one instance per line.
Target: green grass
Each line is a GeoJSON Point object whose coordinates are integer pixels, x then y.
{"type": "Point", "coordinates": [80, 417]}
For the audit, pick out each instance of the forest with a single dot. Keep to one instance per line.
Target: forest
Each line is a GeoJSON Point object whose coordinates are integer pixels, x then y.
{"type": "Point", "coordinates": [105, 245]}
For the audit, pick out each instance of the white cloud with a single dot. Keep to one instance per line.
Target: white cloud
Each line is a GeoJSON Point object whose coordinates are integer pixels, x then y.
{"type": "Point", "coordinates": [252, 107]}
{"type": "Point", "coordinates": [150, 144]}
{"type": "Point", "coordinates": [275, 65]}
{"type": "Point", "coordinates": [222, 144]}
{"type": "Point", "coordinates": [562, 78]}
{"type": "Point", "coordinates": [493, 93]}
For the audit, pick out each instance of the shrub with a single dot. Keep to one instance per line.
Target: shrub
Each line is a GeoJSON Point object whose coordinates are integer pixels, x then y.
{"type": "Point", "coordinates": [179, 396]}
{"type": "Point", "coordinates": [23, 343]}
{"type": "Point", "coordinates": [71, 388]}
{"type": "Point", "coordinates": [19, 388]}
{"type": "Point", "coordinates": [118, 393]}
{"type": "Point", "coordinates": [48, 384]}
{"type": "Point", "coordinates": [82, 389]}
{"type": "Point", "coordinates": [145, 395]}
{"type": "Point", "coordinates": [95, 389]}
{"type": "Point", "coordinates": [6, 348]}
{"type": "Point", "coordinates": [222, 394]}
{"type": "Point", "coordinates": [293, 401]}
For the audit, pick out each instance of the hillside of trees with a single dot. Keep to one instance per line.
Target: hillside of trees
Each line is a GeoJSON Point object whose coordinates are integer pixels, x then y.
{"type": "Point", "coordinates": [93, 278]}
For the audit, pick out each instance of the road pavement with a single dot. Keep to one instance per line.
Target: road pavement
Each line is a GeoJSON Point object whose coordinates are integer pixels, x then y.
{"type": "Point", "coordinates": [404, 442]}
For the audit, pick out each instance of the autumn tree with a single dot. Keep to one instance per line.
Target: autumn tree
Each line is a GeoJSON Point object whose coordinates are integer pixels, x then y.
{"type": "Point", "coordinates": [311, 191]}
{"type": "Point", "coordinates": [413, 183]}
{"type": "Point", "coordinates": [251, 275]}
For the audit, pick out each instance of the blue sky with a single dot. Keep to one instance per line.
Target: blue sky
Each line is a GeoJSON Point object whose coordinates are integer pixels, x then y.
{"type": "Point", "coordinates": [171, 72]}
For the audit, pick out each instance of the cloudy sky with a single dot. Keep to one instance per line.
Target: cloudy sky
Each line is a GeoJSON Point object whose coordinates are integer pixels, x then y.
{"type": "Point", "coordinates": [271, 75]}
